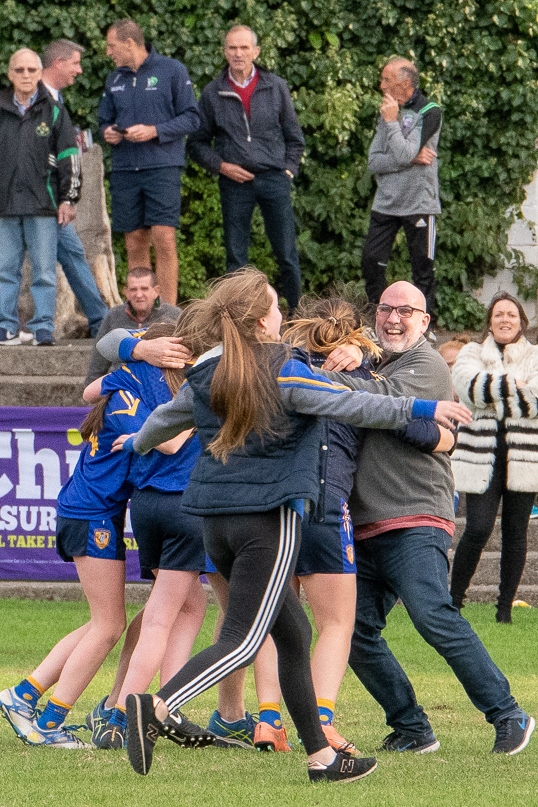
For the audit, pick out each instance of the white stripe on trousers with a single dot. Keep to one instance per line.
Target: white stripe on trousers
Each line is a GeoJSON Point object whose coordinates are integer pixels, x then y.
{"type": "Point", "coordinates": [432, 232]}
{"type": "Point", "coordinates": [258, 631]}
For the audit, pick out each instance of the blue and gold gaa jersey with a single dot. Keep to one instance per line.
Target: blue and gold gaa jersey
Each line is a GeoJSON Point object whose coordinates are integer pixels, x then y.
{"type": "Point", "coordinates": [165, 472]}
{"type": "Point", "coordinates": [99, 486]}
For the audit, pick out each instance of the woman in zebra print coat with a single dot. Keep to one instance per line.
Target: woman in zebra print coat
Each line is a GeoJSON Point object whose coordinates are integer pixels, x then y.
{"type": "Point", "coordinates": [497, 453]}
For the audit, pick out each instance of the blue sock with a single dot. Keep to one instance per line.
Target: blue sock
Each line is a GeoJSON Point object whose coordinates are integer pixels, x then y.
{"type": "Point", "coordinates": [119, 717]}
{"type": "Point", "coordinates": [29, 690]}
{"type": "Point", "coordinates": [53, 715]}
{"type": "Point", "coordinates": [270, 713]}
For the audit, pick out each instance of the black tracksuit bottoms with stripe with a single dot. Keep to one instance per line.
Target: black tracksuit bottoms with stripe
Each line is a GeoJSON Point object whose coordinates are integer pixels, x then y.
{"type": "Point", "coordinates": [420, 235]}
{"type": "Point", "coordinates": [256, 553]}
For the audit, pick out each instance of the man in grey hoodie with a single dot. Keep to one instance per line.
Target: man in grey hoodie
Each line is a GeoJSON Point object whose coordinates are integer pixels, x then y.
{"type": "Point", "coordinates": [403, 157]}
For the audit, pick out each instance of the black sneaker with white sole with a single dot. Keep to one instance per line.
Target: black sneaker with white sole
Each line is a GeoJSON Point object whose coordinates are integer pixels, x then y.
{"type": "Point", "coordinates": [513, 734]}
{"type": "Point", "coordinates": [399, 742]}
{"type": "Point", "coordinates": [345, 768]}
{"type": "Point", "coordinates": [178, 728]}
{"type": "Point", "coordinates": [143, 730]}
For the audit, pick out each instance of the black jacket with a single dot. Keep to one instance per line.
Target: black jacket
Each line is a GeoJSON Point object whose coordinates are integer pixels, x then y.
{"type": "Point", "coordinates": [40, 166]}
{"type": "Point", "coordinates": [271, 139]}
{"type": "Point", "coordinates": [267, 473]}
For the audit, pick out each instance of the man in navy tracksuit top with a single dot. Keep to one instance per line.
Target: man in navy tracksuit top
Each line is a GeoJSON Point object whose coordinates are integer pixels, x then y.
{"type": "Point", "coordinates": [403, 157]}
{"type": "Point", "coordinates": [147, 109]}
{"type": "Point", "coordinates": [249, 136]}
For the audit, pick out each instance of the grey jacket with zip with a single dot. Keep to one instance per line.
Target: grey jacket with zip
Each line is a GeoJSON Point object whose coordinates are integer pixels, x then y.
{"type": "Point", "coordinates": [271, 140]}
{"type": "Point", "coordinates": [405, 189]}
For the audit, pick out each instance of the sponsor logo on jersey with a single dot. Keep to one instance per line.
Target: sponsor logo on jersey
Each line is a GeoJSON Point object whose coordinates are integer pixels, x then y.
{"type": "Point", "coordinates": [101, 538]}
{"type": "Point", "coordinates": [118, 88]}
{"type": "Point", "coordinates": [42, 130]}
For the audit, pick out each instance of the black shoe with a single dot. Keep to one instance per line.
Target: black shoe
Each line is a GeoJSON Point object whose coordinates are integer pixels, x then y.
{"type": "Point", "coordinates": [345, 768]}
{"type": "Point", "coordinates": [504, 615]}
{"type": "Point", "coordinates": [178, 728]}
{"type": "Point", "coordinates": [397, 741]}
{"type": "Point", "coordinates": [143, 731]}
{"type": "Point", "coordinates": [513, 734]}
{"type": "Point", "coordinates": [112, 737]}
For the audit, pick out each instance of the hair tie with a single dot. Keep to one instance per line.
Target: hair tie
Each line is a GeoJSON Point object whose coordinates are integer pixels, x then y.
{"type": "Point", "coordinates": [223, 311]}
{"type": "Point", "coordinates": [333, 319]}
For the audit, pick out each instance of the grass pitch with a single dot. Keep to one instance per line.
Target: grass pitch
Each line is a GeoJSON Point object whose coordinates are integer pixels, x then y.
{"type": "Point", "coordinates": [462, 773]}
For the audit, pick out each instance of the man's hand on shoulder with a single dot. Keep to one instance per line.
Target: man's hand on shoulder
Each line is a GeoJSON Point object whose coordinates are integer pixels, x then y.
{"type": "Point", "coordinates": [425, 156]}
{"type": "Point", "coordinates": [140, 133]}
{"type": "Point", "coordinates": [389, 108]}
{"type": "Point", "coordinates": [167, 351]}
{"type": "Point", "coordinates": [345, 357]}
{"type": "Point", "coordinates": [235, 172]}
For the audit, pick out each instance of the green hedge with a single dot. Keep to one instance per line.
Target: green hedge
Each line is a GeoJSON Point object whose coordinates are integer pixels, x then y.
{"type": "Point", "coordinates": [477, 60]}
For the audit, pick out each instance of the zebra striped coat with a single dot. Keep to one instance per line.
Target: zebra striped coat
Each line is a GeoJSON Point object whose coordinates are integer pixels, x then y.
{"type": "Point", "coordinates": [485, 380]}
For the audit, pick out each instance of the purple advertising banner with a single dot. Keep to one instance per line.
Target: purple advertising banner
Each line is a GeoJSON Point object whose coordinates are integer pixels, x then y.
{"type": "Point", "coordinates": [39, 448]}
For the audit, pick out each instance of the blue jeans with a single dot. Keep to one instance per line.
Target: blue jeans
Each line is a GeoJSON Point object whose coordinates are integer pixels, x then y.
{"type": "Point", "coordinates": [412, 564]}
{"type": "Point", "coordinates": [271, 190]}
{"type": "Point", "coordinates": [39, 235]}
{"type": "Point", "coordinates": [79, 276]}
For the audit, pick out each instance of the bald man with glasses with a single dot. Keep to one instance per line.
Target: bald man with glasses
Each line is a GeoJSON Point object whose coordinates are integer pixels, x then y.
{"type": "Point", "coordinates": [402, 508]}
{"type": "Point", "coordinates": [39, 181]}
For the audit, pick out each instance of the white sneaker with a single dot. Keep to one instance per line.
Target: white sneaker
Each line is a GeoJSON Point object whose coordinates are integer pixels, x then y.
{"type": "Point", "coordinates": [8, 338]}
{"type": "Point", "coordinates": [57, 738]}
{"type": "Point", "coordinates": [17, 711]}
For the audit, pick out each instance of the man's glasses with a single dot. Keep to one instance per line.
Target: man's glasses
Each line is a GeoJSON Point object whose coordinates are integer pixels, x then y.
{"type": "Point", "coordinates": [21, 70]}
{"type": "Point", "coordinates": [403, 311]}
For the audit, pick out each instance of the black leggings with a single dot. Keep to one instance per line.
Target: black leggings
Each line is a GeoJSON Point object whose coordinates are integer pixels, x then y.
{"type": "Point", "coordinates": [481, 513]}
{"type": "Point", "coordinates": [256, 553]}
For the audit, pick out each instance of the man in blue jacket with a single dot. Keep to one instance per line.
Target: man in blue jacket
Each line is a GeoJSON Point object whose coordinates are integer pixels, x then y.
{"type": "Point", "coordinates": [147, 109]}
{"type": "Point", "coordinates": [250, 138]}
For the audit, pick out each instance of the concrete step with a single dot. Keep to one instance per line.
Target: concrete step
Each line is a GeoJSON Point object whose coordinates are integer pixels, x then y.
{"type": "Point", "coordinates": [37, 390]}
{"type": "Point", "coordinates": [44, 376]}
{"type": "Point", "coordinates": [65, 358]}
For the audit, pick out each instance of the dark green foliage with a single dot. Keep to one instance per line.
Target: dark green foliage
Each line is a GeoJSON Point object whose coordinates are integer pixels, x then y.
{"type": "Point", "coordinates": [476, 59]}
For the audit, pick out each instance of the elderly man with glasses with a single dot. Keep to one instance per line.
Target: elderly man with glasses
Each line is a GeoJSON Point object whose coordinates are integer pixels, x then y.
{"type": "Point", "coordinates": [402, 508]}
{"type": "Point", "coordinates": [39, 182]}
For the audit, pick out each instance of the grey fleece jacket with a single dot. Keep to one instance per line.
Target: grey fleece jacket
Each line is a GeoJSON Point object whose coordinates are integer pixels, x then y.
{"type": "Point", "coordinates": [404, 189]}
{"type": "Point", "coordinates": [394, 479]}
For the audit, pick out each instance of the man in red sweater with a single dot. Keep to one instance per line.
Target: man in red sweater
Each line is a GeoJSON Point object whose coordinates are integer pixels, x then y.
{"type": "Point", "coordinates": [250, 138]}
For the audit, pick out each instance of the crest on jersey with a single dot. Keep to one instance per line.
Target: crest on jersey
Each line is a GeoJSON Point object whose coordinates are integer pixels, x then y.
{"type": "Point", "coordinates": [347, 524]}
{"type": "Point", "coordinates": [152, 81]}
{"type": "Point", "coordinates": [42, 130]}
{"type": "Point", "coordinates": [101, 538]}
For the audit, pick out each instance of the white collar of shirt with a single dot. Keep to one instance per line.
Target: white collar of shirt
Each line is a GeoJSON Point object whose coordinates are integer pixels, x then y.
{"type": "Point", "coordinates": [24, 107]}
{"type": "Point", "coordinates": [53, 91]}
{"type": "Point", "coordinates": [244, 83]}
